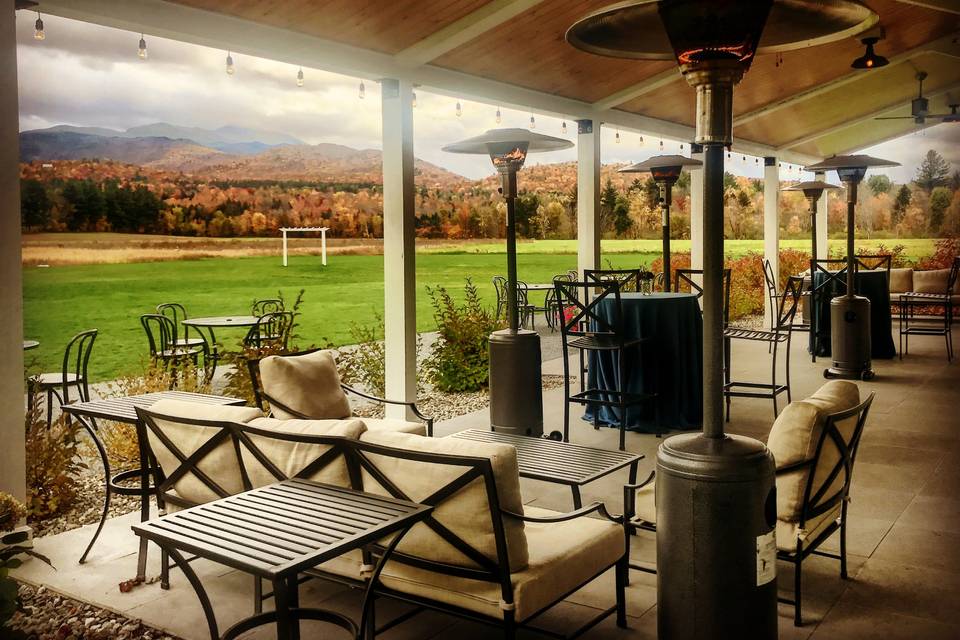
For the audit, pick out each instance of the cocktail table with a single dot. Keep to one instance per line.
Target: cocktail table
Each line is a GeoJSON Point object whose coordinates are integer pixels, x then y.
{"type": "Point", "coordinates": [559, 462]}
{"type": "Point", "coordinates": [275, 533]}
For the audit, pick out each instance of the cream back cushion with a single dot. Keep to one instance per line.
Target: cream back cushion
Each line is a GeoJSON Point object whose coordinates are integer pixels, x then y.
{"type": "Point", "coordinates": [467, 512]}
{"type": "Point", "coordinates": [901, 280]}
{"type": "Point", "coordinates": [933, 281]}
{"type": "Point", "coordinates": [292, 457]}
{"type": "Point", "coordinates": [795, 436]}
{"type": "Point", "coordinates": [220, 464]}
{"type": "Point", "coordinates": [307, 383]}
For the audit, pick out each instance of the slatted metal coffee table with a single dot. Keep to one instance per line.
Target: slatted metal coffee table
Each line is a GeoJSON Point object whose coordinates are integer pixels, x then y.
{"type": "Point", "coordinates": [275, 533]}
{"type": "Point", "coordinates": [125, 410]}
{"type": "Point", "coordinates": [559, 462]}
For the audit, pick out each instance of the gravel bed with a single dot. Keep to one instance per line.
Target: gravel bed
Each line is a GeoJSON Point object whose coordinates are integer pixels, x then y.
{"type": "Point", "coordinates": [47, 615]}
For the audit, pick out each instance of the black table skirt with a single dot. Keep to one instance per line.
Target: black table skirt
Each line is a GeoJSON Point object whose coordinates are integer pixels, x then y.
{"type": "Point", "coordinates": [872, 285]}
{"type": "Point", "coordinates": [670, 364]}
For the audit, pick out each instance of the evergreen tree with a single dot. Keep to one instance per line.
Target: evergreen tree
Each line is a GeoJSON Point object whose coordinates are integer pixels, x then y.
{"type": "Point", "coordinates": [932, 172]}
{"type": "Point", "coordinates": [900, 204]}
{"type": "Point", "coordinates": [939, 202]}
{"type": "Point", "coordinates": [34, 204]}
{"type": "Point", "coordinates": [608, 201]}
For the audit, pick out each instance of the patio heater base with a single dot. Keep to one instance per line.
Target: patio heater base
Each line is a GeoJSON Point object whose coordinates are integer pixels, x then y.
{"type": "Point", "coordinates": [850, 338]}
{"type": "Point", "coordinates": [516, 390]}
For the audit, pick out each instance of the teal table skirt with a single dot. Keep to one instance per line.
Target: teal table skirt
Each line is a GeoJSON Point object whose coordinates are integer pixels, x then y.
{"type": "Point", "coordinates": [872, 285]}
{"type": "Point", "coordinates": [670, 364]}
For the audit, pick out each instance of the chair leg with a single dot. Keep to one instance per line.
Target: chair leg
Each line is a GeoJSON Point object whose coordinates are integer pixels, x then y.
{"type": "Point", "coordinates": [727, 367]}
{"type": "Point", "coordinates": [797, 583]}
{"type": "Point", "coordinates": [566, 395]}
{"type": "Point", "coordinates": [773, 382]}
{"type": "Point", "coordinates": [49, 408]}
{"type": "Point", "coordinates": [623, 568]}
{"type": "Point", "coordinates": [164, 569]}
{"type": "Point", "coordinates": [843, 546]}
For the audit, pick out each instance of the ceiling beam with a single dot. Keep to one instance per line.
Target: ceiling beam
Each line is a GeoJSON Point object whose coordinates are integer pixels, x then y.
{"type": "Point", "coordinates": [944, 45]}
{"type": "Point", "coordinates": [642, 88]}
{"type": "Point", "coordinates": [947, 6]}
{"type": "Point", "coordinates": [211, 29]}
{"type": "Point", "coordinates": [471, 26]}
{"type": "Point", "coordinates": [863, 118]}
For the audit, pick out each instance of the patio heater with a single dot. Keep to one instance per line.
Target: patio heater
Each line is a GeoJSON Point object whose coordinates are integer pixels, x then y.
{"type": "Point", "coordinates": [665, 171]}
{"type": "Point", "coordinates": [850, 313]}
{"type": "Point", "coordinates": [812, 190]}
{"type": "Point", "coordinates": [516, 393]}
{"type": "Point", "coordinates": [716, 499]}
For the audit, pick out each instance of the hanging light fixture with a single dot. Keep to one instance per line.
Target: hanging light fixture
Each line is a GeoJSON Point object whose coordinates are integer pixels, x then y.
{"type": "Point", "coordinates": [413, 99]}
{"type": "Point", "coordinates": [869, 59]}
{"type": "Point", "coordinates": [533, 122]}
{"type": "Point", "coordinates": [459, 109]}
{"type": "Point", "coordinates": [363, 91]}
{"type": "Point", "coordinates": [230, 68]}
{"type": "Point", "coordinates": [300, 77]}
{"type": "Point", "coordinates": [661, 144]}
{"type": "Point", "coordinates": [38, 32]}
{"type": "Point", "coordinates": [616, 138]}
{"type": "Point", "coordinates": [498, 115]}
{"type": "Point", "coordinates": [681, 147]}
{"type": "Point", "coordinates": [142, 48]}
{"type": "Point", "coordinates": [641, 141]}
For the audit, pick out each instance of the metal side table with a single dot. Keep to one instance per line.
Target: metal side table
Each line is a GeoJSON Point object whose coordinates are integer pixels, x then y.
{"type": "Point", "coordinates": [559, 462]}
{"type": "Point", "coordinates": [125, 410]}
{"type": "Point", "coordinates": [275, 533]}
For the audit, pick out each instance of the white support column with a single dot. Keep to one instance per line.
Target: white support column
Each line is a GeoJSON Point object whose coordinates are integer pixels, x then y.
{"type": "Point", "coordinates": [12, 467]}
{"type": "Point", "coordinates": [588, 195]}
{"type": "Point", "coordinates": [399, 260]}
{"type": "Point", "coordinates": [823, 237]}
{"type": "Point", "coordinates": [696, 208]}
{"type": "Point", "coordinates": [771, 222]}
{"type": "Point", "coordinates": [284, 232]}
{"type": "Point", "coordinates": [323, 246]}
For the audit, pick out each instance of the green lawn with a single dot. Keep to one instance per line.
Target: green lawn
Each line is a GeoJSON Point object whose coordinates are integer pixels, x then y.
{"type": "Point", "coordinates": [61, 301]}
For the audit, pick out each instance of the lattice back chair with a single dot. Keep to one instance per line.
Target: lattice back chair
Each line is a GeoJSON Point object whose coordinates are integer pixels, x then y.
{"type": "Point", "coordinates": [833, 277]}
{"type": "Point", "coordinates": [500, 286]}
{"type": "Point", "coordinates": [629, 279]}
{"type": "Point", "coordinates": [161, 333]}
{"type": "Point", "coordinates": [873, 262]}
{"type": "Point", "coordinates": [910, 303]}
{"type": "Point", "coordinates": [683, 281]}
{"type": "Point", "coordinates": [593, 324]}
{"type": "Point", "coordinates": [176, 312]}
{"type": "Point", "coordinates": [265, 306]}
{"type": "Point", "coordinates": [73, 373]}
{"type": "Point", "coordinates": [781, 334]}
{"type": "Point", "coordinates": [826, 493]}
{"type": "Point", "coordinates": [272, 330]}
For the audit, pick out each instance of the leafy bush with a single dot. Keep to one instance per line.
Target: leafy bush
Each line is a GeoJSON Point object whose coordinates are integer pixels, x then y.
{"type": "Point", "coordinates": [460, 361]}
{"type": "Point", "coordinates": [11, 512]}
{"type": "Point", "coordinates": [53, 464]}
{"type": "Point", "coordinates": [364, 364]}
{"type": "Point", "coordinates": [947, 249]}
{"type": "Point", "coordinates": [897, 259]}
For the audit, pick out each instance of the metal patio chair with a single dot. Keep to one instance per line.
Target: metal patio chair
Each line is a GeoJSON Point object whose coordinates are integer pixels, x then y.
{"type": "Point", "coordinates": [909, 303]}
{"type": "Point", "coordinates": [500, 286]}
{"type": "Point", "coordinates": [873, 262]}
{"type": "Point", "coordinates": [629, 279]}
{"type": "Point", "coordinates": [73, 373]}
{"type": "Point", "coordinates": [821, 293]}
{"type": "Point", "coordinates": [774, 296]}
{"type": "Point", "coordinates": [176, 312]}
{"type": "Point", "coordinates": [265, 306]}
{"type": "Point", "coordinates": [160, 332]}
{"type": "Point", "coordinates": [272, 330]}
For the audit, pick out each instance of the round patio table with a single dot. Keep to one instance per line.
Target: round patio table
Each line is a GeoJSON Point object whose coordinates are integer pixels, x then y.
{"type": "Point", "coordinates": [669, 365]}
{"type": "Point", "coordinates": [30, 344]}
{"type": "Point", "coordinates": [210, 323]}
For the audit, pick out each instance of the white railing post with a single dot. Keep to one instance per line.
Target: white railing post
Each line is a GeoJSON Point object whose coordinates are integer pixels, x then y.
{"type": "Point", "coordinates": [323, 246]}
{"type": "Point", "coordinates": [284, 232]}
{"type": "Point", "coordinates": [588, 195]}
{"type": "Point", "coordinates": [399, 273]}
{"type": "Point", "coordinates": [771, 225]}
{"type": "Point", "coordinates": [12, 465]}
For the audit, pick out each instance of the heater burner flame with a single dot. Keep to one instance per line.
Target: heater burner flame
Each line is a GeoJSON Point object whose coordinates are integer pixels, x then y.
{"type": "Point", "coordinates": [516, 156]}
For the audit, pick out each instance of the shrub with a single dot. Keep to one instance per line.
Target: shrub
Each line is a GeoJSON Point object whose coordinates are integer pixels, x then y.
{"type": "Point", "coordinates": [897, 259]}
{"type": "Point", "coordinates": [460, 360]}
{"type": "Point", "coordinates": [364, 365]}
{"type": "Point", "coordinates": [946, 250]}
{"type": "Point", "coordinates": [52, 462]}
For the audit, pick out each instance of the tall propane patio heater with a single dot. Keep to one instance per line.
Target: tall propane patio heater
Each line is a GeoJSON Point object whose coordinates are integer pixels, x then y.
{"type": "Point", "coordinates": [665, 171]}
{"type": "Point", "coordinates": [850, 313]}
{"type": "Point", "coordinates": [716, 501]}
{"type": "Point", "coordinates": [812, 190]}
{"type": "Point", "coordinates": [516, 393]}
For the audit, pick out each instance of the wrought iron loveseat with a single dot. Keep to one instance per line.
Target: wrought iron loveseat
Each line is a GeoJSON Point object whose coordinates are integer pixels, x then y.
{"type": "Point", "coordinates": [481, 554]}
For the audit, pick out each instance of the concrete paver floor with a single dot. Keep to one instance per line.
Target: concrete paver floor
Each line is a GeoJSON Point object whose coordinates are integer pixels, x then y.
{"type": "Point", "coordinates": [904, 526]}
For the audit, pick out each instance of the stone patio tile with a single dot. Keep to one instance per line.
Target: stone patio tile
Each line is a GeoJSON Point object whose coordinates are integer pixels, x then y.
{"type": "Point", "coordinates": [852, 622]}
{"type": "Point", "coordinates": [822, 584]}
{"type": "Point", "coordinates": [921, 547]}
{"type": "Point", "coordinates": [916, 591]}
{"type": "Point", "coordinates": [934, 513]}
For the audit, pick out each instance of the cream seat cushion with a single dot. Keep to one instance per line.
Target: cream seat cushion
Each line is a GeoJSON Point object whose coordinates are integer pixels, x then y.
{"type": "Point", "coordinates": [467, 512]}
{"type": "Point", "coordinates": [562, 556]}
{"type": "Point", "coordinates": [901, 280]}
{"type": "Point", "coordinates": [220, 464]}
{"type": "Point", "coordinates": [794, 438]}
{"type": "Point", "coordinates": [390, 424]}
{"type": "Point", "coordinates": [789, 532]}
{"type": "Point", "coordinates": [292, 457]}
{"type": "Point", "coordinates": [308, 384]}
{"type": "Point", "coordinates": [646, 504]}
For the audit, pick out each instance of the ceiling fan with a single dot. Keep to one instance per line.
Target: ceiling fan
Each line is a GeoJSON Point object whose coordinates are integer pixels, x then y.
{"type": "Point", "coordinates": [920, 108]}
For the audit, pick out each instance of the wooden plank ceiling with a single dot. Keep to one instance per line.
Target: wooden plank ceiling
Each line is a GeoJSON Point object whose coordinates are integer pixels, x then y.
{"type": "Point", "coordinates": [529, 51]}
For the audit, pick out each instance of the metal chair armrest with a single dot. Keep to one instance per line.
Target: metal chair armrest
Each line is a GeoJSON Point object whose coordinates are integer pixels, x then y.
{"type": "Point", "coordinates": [428, 421]}
{"type": "Point", "coordinates": [594, 507]}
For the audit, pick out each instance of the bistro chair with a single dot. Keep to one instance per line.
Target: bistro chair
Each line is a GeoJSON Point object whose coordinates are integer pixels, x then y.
{"type": "Point", "coordinates": [265, 306]}
{"type": "Point", "coordinates": [176, 312]}
{"type": "Point", "coordinates": [774, 297]}
{"type": "Point", "coordinates": [594, 325]}
{"type": "Point", "coordinates": [834, 272]}
{"type": "Point", "coordinates": [552, 310]}
{"type": "Point", "coordinates": [500, 286]}
{"type": "Point", "coordinates": [911, 303]}
{"type": "Point", "coordinates": [73, 373]}
{"type": "Point", "coordinates": [272, 330]}
{"type": "Point", "coordinates": [814, 443]}
{"type": "Point", "coordinates": [161, 333]}
{"type": "Point", "coordinates": [780, 334]}
{"type": "Point", "coordinates": [868, 262]}
{"type": "Point", "coordinates": [629, 279]}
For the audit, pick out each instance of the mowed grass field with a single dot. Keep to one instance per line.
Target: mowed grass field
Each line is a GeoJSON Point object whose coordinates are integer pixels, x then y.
{"type": "Point", "coordinates": [60, 301]}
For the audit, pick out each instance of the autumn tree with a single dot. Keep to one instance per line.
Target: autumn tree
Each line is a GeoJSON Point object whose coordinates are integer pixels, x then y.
{"type": "Point", "coordinates": [932, 172]}
{"type": "Point", "coordinates": [879, 183]}
{"type": "Point", "coordinates": [939, 202]}
{"type": "Point", "coordinates": [34, 204]}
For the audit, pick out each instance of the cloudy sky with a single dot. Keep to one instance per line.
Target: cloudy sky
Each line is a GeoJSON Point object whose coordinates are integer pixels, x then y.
{"type": "Point", "coordinates": [88, 75]}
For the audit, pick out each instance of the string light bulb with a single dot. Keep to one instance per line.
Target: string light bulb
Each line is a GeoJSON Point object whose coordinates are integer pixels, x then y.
{"type": "Point", "coordinates": [498, 115]}
{"type": "Point", "coordinates": [563, 127]}
{"type": "Point", "coordinates": [363, 91]}
{"type": "Point", "coordinates": [459, 109]}
{"type": "Point", "coordinates": [230, 68]}
{"type": "Point", "coordinates": [38, 32]}
{"type": "Point", "coordinates": [533, 122]}
{"type": "Point", "coordinates": [616, 138]}
{"type": "Point", "coordinates": [413, 99]}
{"type": "Point", "coordinates": [661, 144]}
{"type": "Point", "coordinates": [681, 147]}
{"type": "Point", "coordinates": [300, 77]}
{"type": "Point", "coordinates": [641, 141]}
{"type": "Point", "coordinates": [142, 48]}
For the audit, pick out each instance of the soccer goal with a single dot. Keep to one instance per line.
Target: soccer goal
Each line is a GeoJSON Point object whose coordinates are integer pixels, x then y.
{"type": "Point", "coordinates": [323, 240]}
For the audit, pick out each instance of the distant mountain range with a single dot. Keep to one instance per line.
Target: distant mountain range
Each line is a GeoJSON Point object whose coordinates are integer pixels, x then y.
{"type": "Point", "coordinates": [224, 153]}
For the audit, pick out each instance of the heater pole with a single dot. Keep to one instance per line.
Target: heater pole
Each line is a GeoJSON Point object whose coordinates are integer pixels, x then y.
{"type": "Point", "coordinates": [812, 201]}
{"type": "Point", "coordinates": [509, 187]}
{"type": "Point", "coordinates": [713, 290]}
{"type": "Point", "coordinates": [666, 196]}
{"type": "Point", "coordinates": [851, 227]}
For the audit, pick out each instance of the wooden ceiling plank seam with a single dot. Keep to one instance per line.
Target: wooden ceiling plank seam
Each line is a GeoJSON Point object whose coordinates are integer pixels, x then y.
{"type": "Point", "coordinates": [467, 28]}
{"type": "Point", "coordinates": [937, 46]}
{"type": "Point", "coordinates": [863, 118]}
{"type": "Point", "coordinates": [641, 88]}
